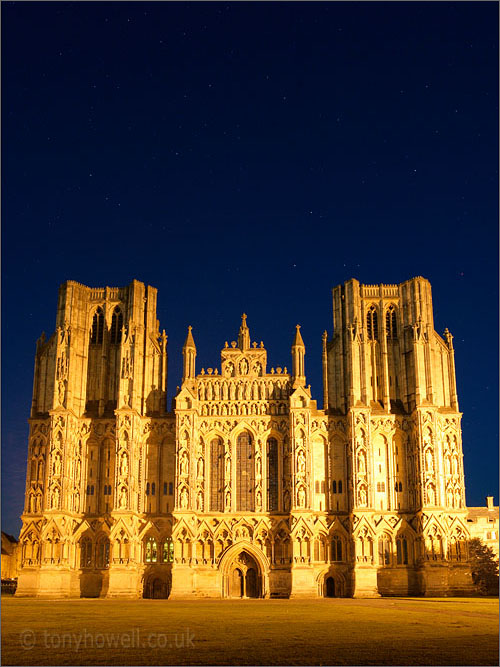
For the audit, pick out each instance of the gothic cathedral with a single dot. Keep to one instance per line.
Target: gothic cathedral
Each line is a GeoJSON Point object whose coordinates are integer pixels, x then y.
{"type": "Point", "coordinates": [245, 488]}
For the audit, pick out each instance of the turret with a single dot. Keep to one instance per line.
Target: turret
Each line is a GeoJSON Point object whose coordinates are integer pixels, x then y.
{"type": "Point", "coordinates": [244, 334]}
{"type": "Point", "coordinates": [189, 355]}
{"type": "Point", "coordinates": [298, 353]}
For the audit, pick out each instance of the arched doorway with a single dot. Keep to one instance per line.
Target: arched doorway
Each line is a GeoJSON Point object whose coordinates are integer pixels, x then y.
{"type": "Point", "coordinates": [330, 587]}
{"type": "Point", "coordinates": [156, 588]}
{"type": "Point", "coordinates": [244, 577]}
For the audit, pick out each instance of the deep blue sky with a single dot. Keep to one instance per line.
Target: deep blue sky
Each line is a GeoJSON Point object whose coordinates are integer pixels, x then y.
{"type": "Point", "coordinates": [249, 157]}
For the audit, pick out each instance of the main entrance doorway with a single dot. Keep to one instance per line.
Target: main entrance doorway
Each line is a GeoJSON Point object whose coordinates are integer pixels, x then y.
{"type": "Point", "coordinates": [244, 577]}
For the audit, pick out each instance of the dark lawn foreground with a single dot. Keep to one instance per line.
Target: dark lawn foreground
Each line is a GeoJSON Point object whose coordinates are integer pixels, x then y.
{"type": "Point", "coordinates": [388, 631]}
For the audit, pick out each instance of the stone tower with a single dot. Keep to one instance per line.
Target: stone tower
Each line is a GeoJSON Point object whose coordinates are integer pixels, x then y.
{"type": "Point", "coordinates": [245, 488]}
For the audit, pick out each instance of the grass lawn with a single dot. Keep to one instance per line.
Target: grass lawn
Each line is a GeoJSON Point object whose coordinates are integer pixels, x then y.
{"type": "Point", "coordinates": [386, 631]}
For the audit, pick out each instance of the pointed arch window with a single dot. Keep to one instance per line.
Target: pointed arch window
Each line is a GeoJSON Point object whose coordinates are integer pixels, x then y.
{"type": "Point", "coordinates": [168, 550]}
{"type": "Point", "coordinates": [391, 326]}
{"type": "Point", "coordinates": [272, 474]}
{"type": "Point", "coordinates": [384, 550]}
{"type": "Point", "coordinates": [116, 326]}
{"type": "Point", "coordinates": [97, 331]}
{"type": "Point", "coordinates": [86, 552]}
{"type": "Point", "coordinates": [245, 473]}
{"type": "Point", "coordinates": [103, 553]}
{"type": "Point", "coordinates": [217, 475]}
{"type": "Point", "coordinates": [337, 548]}
{"type": "Point", "coordinates": [151, 550]}
{"type": "Point", "coordinates": [402, 551]}
{"type": "Point", "coordinates": [372, 323]}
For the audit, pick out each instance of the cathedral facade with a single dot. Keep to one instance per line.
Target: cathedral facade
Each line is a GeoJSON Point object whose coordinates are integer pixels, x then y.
{"type": "Point", "coordinates": [245, 488]}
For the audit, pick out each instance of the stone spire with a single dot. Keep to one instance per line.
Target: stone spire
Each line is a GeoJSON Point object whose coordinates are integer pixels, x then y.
{"type": "Point", "coordinates": [189, 355]}
{"type": "Point", "coordinates": [298, 353]}
{"type": "Point", "coordinates": [244, 334]}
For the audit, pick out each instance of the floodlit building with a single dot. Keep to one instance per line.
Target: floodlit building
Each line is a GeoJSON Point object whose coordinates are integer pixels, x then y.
{"type": "Point", "coordinates": [9, 556]}
{"type": "Point", "coordinates": [246, 488]}
{"type": "Point", "coordinates": [482, 522]}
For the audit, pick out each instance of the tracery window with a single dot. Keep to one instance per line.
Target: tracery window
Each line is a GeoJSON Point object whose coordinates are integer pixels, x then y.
{"type": "Point", "coordinates": [86, 552]}
{"type": "Point", "coordinates": [245, 473]}
{"type": "Point", "coordinates": [334, 486]}
{"type": "Point", "coordinates": [151, 550]}
{"type": "Point", "coordinates": [336, 548]}
{"type": "Point", "coordinates": [217, 475]}
{"type": "Point", "coordinates": [97, 331]}
{"type": "Point", "coordinates": [272, 474]}
{"type": "Point", "coordinates": [116, 326]}
{"type": "Point", "coordinates": [168, 550]}
{"type": "Point", "coordinates": [391, 326]}
{"type": "Point", "coordinates": [103, 553]}
{"type": "Point", "coordinates": [384, 550]}
{"type": "Point", "coordinates": [402, 551]}
{"type": "Point", "coordinates": [372, 323]}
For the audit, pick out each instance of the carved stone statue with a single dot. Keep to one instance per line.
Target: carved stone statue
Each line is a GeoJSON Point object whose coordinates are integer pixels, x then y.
{"type": "Point", "coordinates": [429, 462]}
{"type": "Point", "coordinates": [55, 497]}
{"type": "Point", "coordinates": [184, 465]}
{"type": "Point", "coordinates": [286, 501]}
{"type": "Point", "coordinates": [243, 367]}
{"type": "Point", "coordinates": [228, 468]}
{"type": "Point", "coordinates": [184, 498]}
{"type": "Point", "coordinates": [124, 465]}
{"type": "Point", "coordinates": [301, 497]}
{"type": "Point", "coordinates": [201, 468]}
{"type": "Point", "coordinates": [363, 499]}
{"type": "Point", "coordinates": [57, 465]}
{"type": "Point", "coordinates": [301, 461]}
{"type": "Point", "coordinates": [199, 501]}
{"type": "Point", "coordinates": [123, 498]}
{"type": "Point", "coordinates": [361, 462]}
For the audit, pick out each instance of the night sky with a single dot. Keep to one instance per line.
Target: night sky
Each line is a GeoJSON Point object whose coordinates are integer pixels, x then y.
{"type": "Point", "coordinates": [247, 157]}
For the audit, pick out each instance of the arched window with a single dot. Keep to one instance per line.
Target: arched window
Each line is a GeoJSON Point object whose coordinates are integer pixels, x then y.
{"type": "Point", "coordinates": [245, 473]}
{"type": "Point", "coordinates": [391, 327]}
{"type": "Point", "coordinates": [400, 486]}
{"type": "Point", "coordinates": [217, 475]}
{"type": "Point", "coordinates": [116, 326]}
{"type": "Point", "coordinates": [402, 551]}
{"type": "Point", "coordinates": [97, 331]}
{"type": "Point", "coordinates": [336, 548]}
{"type": "Point", "coordinates": [147, 489]}
{"type": "Point", "coordinates": [86, 552]}
{"type": "Point", "coordinates": [334, 486]}
{"type": "Point", "coordinates": [168, 550]}
{"type": "Point", "coordinates": [151, 550]}
{"type": "Point", "coordinates": [372, 323]}
{"type": "Point", "coordinates": [384, 550]}
{"type": "Point", "coordinates": [102, 555]}
{"type": "Point", "coordinates": [340, 486]}
{"type": "Point", "coordinates": [153, 489]}
{"type": "Point", "coordinates": [272, 474]}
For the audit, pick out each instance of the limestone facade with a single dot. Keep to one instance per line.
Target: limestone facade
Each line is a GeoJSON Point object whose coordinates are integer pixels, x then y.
{"type": "Point", "coordinates": [245, 488]}
{"type": "Point", "coordinates": [482, 523]}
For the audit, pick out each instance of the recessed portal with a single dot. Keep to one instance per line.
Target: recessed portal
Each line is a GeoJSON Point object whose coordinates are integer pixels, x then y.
{"type": "Point", "coordinates": [244, 577]}
{"type": "Point", "coordinates": [330, 587]}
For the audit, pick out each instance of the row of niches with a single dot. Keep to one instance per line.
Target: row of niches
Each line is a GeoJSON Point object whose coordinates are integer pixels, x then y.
{"type": "Point", "coordinates": [243, 409]}
{"type": "Point", "coordinates": [236, 391]}
{"type": "Point", "coordinates": [243, 368]}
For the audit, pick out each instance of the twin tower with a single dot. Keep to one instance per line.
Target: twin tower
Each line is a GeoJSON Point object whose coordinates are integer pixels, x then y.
{"type": "Point", "coordinates": [245, 488]}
